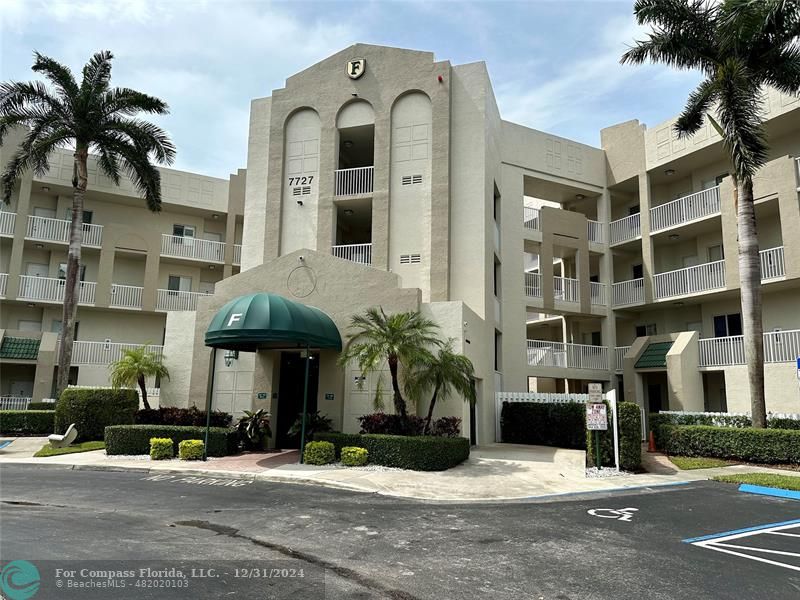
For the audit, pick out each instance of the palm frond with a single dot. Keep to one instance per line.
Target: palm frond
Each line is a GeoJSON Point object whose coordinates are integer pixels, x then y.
{"type": "Point", "coordinates": [700, 100]}
{"type": "Point", "coordinates": [96, 74]}
{"type": "Point", "coordinates": [59, 75]}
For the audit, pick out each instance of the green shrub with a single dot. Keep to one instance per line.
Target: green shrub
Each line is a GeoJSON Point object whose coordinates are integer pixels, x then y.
{"type": "Point", "coordinates": [94, 409]}
{"type": "Point", "coordinates": [419, 453]}
{"type": "Point", "coordinates": [544, 424]}
{"type": "Point", "coordinates": [26, 422]}
{"type": "Point", "coordinates": [319, 453]}
{"type": "Point", "coordinates": [190, 450]}
{"type": "Point", "coordinates": [772, 446]}
{"type": "Point", "coordinates": [629, 419]}
{"type": "Point", "coordinates": [353, 456]}
{"type": "Point", "coordinates": [161, 448]}
{"type": "Point", "coordinates": [135, 439]}
{"type": "Point", "coordinates": [782, 423]}
{"type": "Point", "coordinates": [42, 406]}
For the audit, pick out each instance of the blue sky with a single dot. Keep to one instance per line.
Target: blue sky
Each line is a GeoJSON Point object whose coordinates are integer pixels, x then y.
{"type": "Point", "coordinates": [554, 64]}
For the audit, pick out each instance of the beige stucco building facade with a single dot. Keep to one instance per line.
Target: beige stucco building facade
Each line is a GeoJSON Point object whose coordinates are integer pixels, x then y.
{"type": "Point", "coordinates": [383, 177]}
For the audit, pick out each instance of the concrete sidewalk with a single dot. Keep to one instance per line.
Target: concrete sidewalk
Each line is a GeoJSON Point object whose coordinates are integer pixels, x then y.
{"type": "Point", "coordinates": [493, 472]}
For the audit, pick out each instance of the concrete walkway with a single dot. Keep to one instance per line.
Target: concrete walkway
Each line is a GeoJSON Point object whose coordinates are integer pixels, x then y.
{"type": "Point", "coordinates": [493, 472]}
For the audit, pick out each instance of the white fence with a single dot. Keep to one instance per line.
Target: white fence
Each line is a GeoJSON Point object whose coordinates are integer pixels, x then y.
{"type": "Point", "coordinates": [627, 228]}
{"type": "Point", "coordinates": [14, 403]}
{"type": "Point", "coordinates": [192, 248]}
{"type": "Point", "coordinates": [619, 357]}
{"type": "Point", "coordinates": [126, 296]}
{"type": "Point", "coordinates": [779, 346]}
{"type": "Point", "coordinates": [543, 353]}
{"type": "Point", "coordinates": [530, 216]}
{"type": "Point", "coordinates": [352, 182]}
{"type": "Point", "coordinates": [237, 254]}
{"type": "Point", "coordinates": [700, 278]}
{"type": "Point", "coordinates": [772, 263]}
{"type": "Point", "coordinates": [3, 283]}
{"type": "Point", "coordinates": [533, 285]}
{"type": "Point", "coordinates": [694, 206]}
{"type": "Point", "coordinates": [357, 253]}
{"type": "Point", "coordinates": [597, 293]}
{"type": "Point", "coordinates": [628, 292]}
{"type": "Point", "coordinates": [57, 230]}
{"type": "Point", "coordinates": [595, 232]}
{"type": "Point", "coordinates": [102, 353]}
{"type": "Point", "coordinates": [8, 221]}
{"type": "Point", "coordinates": [566, 289]}
{"type": "Point", "coordinates": [51, 289]}
{"type": "Point", "coordinates": [177, 300]}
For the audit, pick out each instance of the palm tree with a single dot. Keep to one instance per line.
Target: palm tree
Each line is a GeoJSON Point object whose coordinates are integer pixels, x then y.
{"type": "Point", "coordinates": [740, 47]}
{"type": "Point", "coordinates": [134, 367]}
{"type": "Point", "coordinates": [446, 373]}
{"type": "Point", "coordinates": [400, 339]}
{"type": "Point", "coordinates": [90, 117]}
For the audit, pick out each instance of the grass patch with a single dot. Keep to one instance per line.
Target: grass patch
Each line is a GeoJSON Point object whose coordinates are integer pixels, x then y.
{"type": "Point", "coordinates": [47, 450]}
{"type": "Point", "coordinates": [784, 482]}
{"type": "Point", "coordinates": [687, 463]}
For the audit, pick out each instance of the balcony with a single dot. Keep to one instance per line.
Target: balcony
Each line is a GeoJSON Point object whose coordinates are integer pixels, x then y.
{"type": "Point", "coordinates": [779, 346]}
{"type": "Point", "coordinates": [104, 353]}
{"type": "Point", "coordinates": [126, 296]}
{"type": "Point", "coordinates": [3, 284]}
{"type": "Point", "coordinates": [357, 253]}
{"type": "Point", "coordinates": [619, 357]}
{"type": "Point", "coordinates": [689, 208]}
{"type": "Point", "coordinates": [168, 300]}
{"type": "Point", "coordinates": [628, 292]}
{"type": "Point", "coordinates": [530, 217]}
{"type": "Point", "coordinates": [626, 229]}
{"type": "Point", "coordinates": [237, 254]}
{"type": "Point", "coordinates": [566, 289]}
{"type": "Point", "coordinates": [353, 182]}
{"type": "Point", "coordinates": [691, 280]}
{"type": "Point", "coordinates": [772, 264]}
{"type": "Point", "coordinates": [595, 232]}
{"type": "Point", "coordinates": [7, 222]}
{"type": "Point", "coordinates": [543, 353]}
{"type": "Point", "coordinates": [533, 285]}
{"type": "Point", "coordinates": [51, 289]}
{"type": "Point", "coordinates": [176, 246]}
{"type": "Point", "coordinates": [45, 229]}
{"type": "Point", "coordinates": [597, 292]}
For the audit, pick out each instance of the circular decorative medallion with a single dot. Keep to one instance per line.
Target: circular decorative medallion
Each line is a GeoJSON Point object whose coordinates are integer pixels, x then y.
{"type": "Point", "coordinates": [301, 281]}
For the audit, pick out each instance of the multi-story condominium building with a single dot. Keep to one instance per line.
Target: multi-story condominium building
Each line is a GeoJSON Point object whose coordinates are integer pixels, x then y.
{"type": "Point", "coordinates": [381, 176]}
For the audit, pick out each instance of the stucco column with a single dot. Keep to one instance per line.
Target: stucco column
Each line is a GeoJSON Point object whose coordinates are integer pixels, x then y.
{"type": "Point", "coordinates": [608, 330]}
{"type": "Point", "coordinates": [151, 271]}
{"type": "Point", "coordinates": [45, 365]}
{"type": "Point", "coordinates": [380, 194]}
{"type": "Point", "coordinates": [648, 266]}
{"type": "Point", "coordinates": [15, 264]}
{"type": "Point", "coordinates": [440, 194]}
{"type": "Point", "coordinates": [326, 206]}
{"type": "Point", "coordinates": [789, 210]}
{"type": "Point", "coordinates": [105, 272]}
{"type": "Point", "coordinates": [730, 235]}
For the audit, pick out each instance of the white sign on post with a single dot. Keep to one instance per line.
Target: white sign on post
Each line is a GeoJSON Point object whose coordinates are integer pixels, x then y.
{"type": "Point", "coordinates": [596, 417]}
{"type": "Point", "coordinates": [595, 392]}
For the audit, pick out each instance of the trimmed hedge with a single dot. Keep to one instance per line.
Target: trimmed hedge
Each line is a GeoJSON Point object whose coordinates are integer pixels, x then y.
{"type": "Point", "coordinates": [319, 453]}
{"type": "Point", "coordinates": [544, 424]}
{"type": "Point", "coordinates": [782, 423]}
{"type": "Point", "coordinates": [190, 450]}
{"type": "Point", "coordinates": [42, 406]}
{"type": "Point", "coordinates": [418, 453]}
{"type": "Point", "coordinates": [94, 409]}
{"type": "Point", "coordinates": [721, 420]}
{"type": "Point", "coordinates": [161, 449]}
{"type": "Point", "coordinates": [352, 456]}
{"type": "Point", "coordinates": [629, 418]}
{"type": "Point", "coordinates": [771, 446]}
{"type": "Point", "coordinates": [135, 439]}
{"type": "Point", "coordinates": [172, 415]}
{"type": "Point", "coordinates": [27, 422]}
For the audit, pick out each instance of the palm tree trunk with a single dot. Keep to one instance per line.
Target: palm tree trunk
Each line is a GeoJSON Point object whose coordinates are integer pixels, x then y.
{"type": "Point", "coordinates": [750, 284]}
{"type": "Point", "coordinates": [144, 392]}
{"type": "Point", "coordinates": [79, 184]}
{"type": "Point", "coordinates": [430, 411]}
{"type": "Point", "coordinates": [399, 403]}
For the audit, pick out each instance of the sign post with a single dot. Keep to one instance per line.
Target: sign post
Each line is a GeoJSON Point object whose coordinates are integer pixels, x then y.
{"type": "Point", "coordinates": [596, 417]}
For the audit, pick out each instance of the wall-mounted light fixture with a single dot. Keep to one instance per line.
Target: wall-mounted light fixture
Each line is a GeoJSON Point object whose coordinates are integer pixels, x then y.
{"type": "Point", "coordinates": [45, 188]}
{"type": "Point", "coordinates": [579, 196]}
{"type": "Point", "coordinates": [348, 212]}
{"type": "Point", "coordinates": [230, 356]}
{"type": "Point", "coordinates": [669, 172]}
{"type": "Point", "coordinates": [348, 143]}
{"type": "Point", "coordinates": [673, 236]}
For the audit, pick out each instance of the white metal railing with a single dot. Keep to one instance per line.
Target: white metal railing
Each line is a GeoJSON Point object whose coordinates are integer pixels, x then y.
{"type": "Point", "coordinates": [7, 222]}
{"type": "Point", "coordinates": [357, 253]}
{"type": "Point", "coordinates": [772, 263]}
{"type": "Point", "coordinates": [126, 296]}
{"type": "Point", "coordinates": [688, 208]}
{"type": "Point", "coordinates": [543, 353]}
{"type": "Point", "coordinates": [619, 356]}
{"type": "Point", "coordinates": [628, 292]}
{"type": "Point", "coordinates": [3, 283]}
{"type": "Point", "coordinates": [690, 280]}
{"type": "Point", "coordinates": [51, 289]}
{"type": "Point", "coordinates": [596, 232]}
{"type": "Point", "coordinates": [779, 346]}
{"type": "Point", "coordinates": [237, 254]}
{"type": "Point", "coordinates": [351, 182]}
{"type": "Point", "coordinates": [104, 353]}
{"type": "Point", "coordinates": [626, 228]}
{"type": "Point", "coordinates": [14, 402]}
{"type": "Point", "coordinates": [57, 230]}
{"type": "Point", "coordinates": [597, 292]}
{"type": "Point", "coordinates": [566, 289]}
{"type": "Point", "coordinates": [533, 285]}
{"type": "Point", "coordinates": [193, 248]}
{"type": "Point", "coordinates": [177, 300]}
{"type": "Point", "coordinates": [530, 217]}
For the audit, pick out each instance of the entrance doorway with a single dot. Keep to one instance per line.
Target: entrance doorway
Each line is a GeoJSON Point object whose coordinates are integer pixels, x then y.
{"type": "Point", "coordinates": [290, 395]}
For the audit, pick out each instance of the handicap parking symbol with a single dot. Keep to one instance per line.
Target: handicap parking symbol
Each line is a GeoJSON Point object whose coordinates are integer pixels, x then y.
{"type": "Point", "coordinates": [620, 514]}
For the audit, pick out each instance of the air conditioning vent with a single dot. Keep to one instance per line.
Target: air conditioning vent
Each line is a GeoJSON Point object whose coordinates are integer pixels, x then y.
{"type": "Point", "coordinates": [410, 259]}
{"type": "Point", "coordinates": [416, 179]}
{"type": "Point", "coordinates": [306, 190]}
{"type": "Point", "coordinates": [296, 191]}
{"type": "Point", "coordinates": [406, 180]}
{"type": "Point", "coordinates": [411, 179]}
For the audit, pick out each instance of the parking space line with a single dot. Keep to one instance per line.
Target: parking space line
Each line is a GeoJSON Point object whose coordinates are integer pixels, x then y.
{"type": "Point", "coordinates": [775, 526]}
{"type": "Point", "coordinates": [721, 543]}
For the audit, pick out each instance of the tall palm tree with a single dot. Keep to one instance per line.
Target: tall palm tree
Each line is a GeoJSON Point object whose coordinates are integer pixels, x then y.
{"type": "Point", "coordinates": [400, 339]}
{"type": "Point", "coordinates": [134, 367]}
{"type": "Point", "coordinates": [445, 373]}
{"type": "Point", "coordinates": [741, 47]}
{"type": "Point", "coordinates": [90, 117]}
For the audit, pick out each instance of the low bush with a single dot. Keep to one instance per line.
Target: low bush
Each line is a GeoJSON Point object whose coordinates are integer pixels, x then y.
{"type": "Point", "coordinates": [544, 424]}
{"type": "Point", "coordinates": [319, 453]}
{"type": "Point", "coordinates": [419, 453]}
{"type": "Point", "coordinates": [720, 420]}
{"type": "Point", "coordinates": [190, 450]}
{"type": "Point", "coordinates": [172, 415]}
{"type": "Point", "coordinates": [446, 427]}
{"type": "Point", "coordinates": [94, 409]}
{"type": "Point", "coordinates": [27, 422]}
{"type": "Point", "coordinates": [782, 423]}
{"type": "Point", "coordinates": [629, 419]}
{"type": "Point", "coordinates": [353, 456]}
{"type": "Point", "coordinates": [42, 406]}
{"type": "Point", "coordinates": [390, 424]}
{"type": "Point", "coordinates": [135, 439]}
{"type": "Point", "coordinates": [771, 446]}
{"type": "Point", "coordinates": [161, 448]}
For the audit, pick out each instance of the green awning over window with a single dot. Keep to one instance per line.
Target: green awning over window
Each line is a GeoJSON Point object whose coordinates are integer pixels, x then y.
{"type": "Point", "coordinates": [19, 348]}
{"type": "Point", "coordinates": [263, 320]}
{"type": "Point", "coordinates": [654, 356]}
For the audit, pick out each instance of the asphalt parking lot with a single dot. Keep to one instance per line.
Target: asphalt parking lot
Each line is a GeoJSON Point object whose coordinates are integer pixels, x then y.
{"type": "Point", "coordinates": [645, 543]}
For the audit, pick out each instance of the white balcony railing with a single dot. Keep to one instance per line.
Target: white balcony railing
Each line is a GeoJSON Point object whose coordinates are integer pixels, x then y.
{"type": "Point", "coordinates": [352, 182]}
{"type": "Point", "coordinates": [596, 232]}
{"type": "Point", "coordinates": [772, 263]}
{"type": "Point", "coordinates": [694, 206]}
{"type": "Point", "coordinates": [598, 293]}
{"type": "Point", "coordinates": [126, 296]}
{"type": "Point", "coordinates": [46, 229]}
{"type": "Point", "coordinates": [8, 221]}
{"type": "Point", "coordinates": [533, 285]}
{"type": "Point", "coordinates": [176, 300]}
{"type": "Point", "coordinates": [530, 217]}
{"type": "Point", "coordinates": [237, 254]}
{"type": "Point", "coordinates": [14, 402]}
{"type": "Point", "coordinates": [3, 284]}
{"type": "Point", "coordinates": [627, 228]}
{"type": "Point", "coordinates": [104, 353]}
{"type": "Point", "coordinates": [543, 353]}
{"type": "Point", "coordinates": [566, 289]}
{"type": "Point", "coordinates": [178, 246]}
{"type": "Point", "coordinates": [357, 253]}
{"type": "Point", "coordinates": [619, 357]}
{"type": "Point", "coordinates": [779, 346]}
{"type": "Point", "coordinates": [628, 292]}
{"type": "Point", "coordinates": [51, 289]}
{"type": "Point", "coordinates": [691, 280]}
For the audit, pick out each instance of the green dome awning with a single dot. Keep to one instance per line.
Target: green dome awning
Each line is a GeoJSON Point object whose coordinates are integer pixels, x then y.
{"type": "Point", "coordinates": [263, 320]}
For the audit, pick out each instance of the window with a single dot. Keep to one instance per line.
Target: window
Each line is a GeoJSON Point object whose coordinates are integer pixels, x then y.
{"type": "Point", "coordinates": [496, 204]}
{"type": "Point", "coordinates": [62, 271]}
{"type": "Point", "coordinates": [498, 350]}
{"type": "Point", "coordinates": [87, 215]}
{"type": "Point", "coordinates": [179, 283]}
{"type": "Point", "coordinates": [728, 325]}
{"type": "Point", "coordinates": [638, 271]}
{"type": "Point", "coordinates": [634, 210]}
{"type": "Point", "coordinates": [715, 253]}
{"type": "Point", "coordinates": [183, 231]}
{"type": "Point", "coordinates": [643, 330]}
{"type": "Point", "coordinates": [496, 278]}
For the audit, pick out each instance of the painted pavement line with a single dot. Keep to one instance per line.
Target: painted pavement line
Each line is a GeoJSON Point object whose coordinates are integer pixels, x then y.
{"type": "Point", "coordinates": [768, 491]}
{"type": "Point", "coordinates": [736, 532]}
{"type": "Point", "coordinates": [710, 545]}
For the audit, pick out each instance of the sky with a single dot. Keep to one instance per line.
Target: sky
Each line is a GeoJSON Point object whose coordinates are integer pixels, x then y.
{"type": "Point", "coordinates": [554, 64]}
